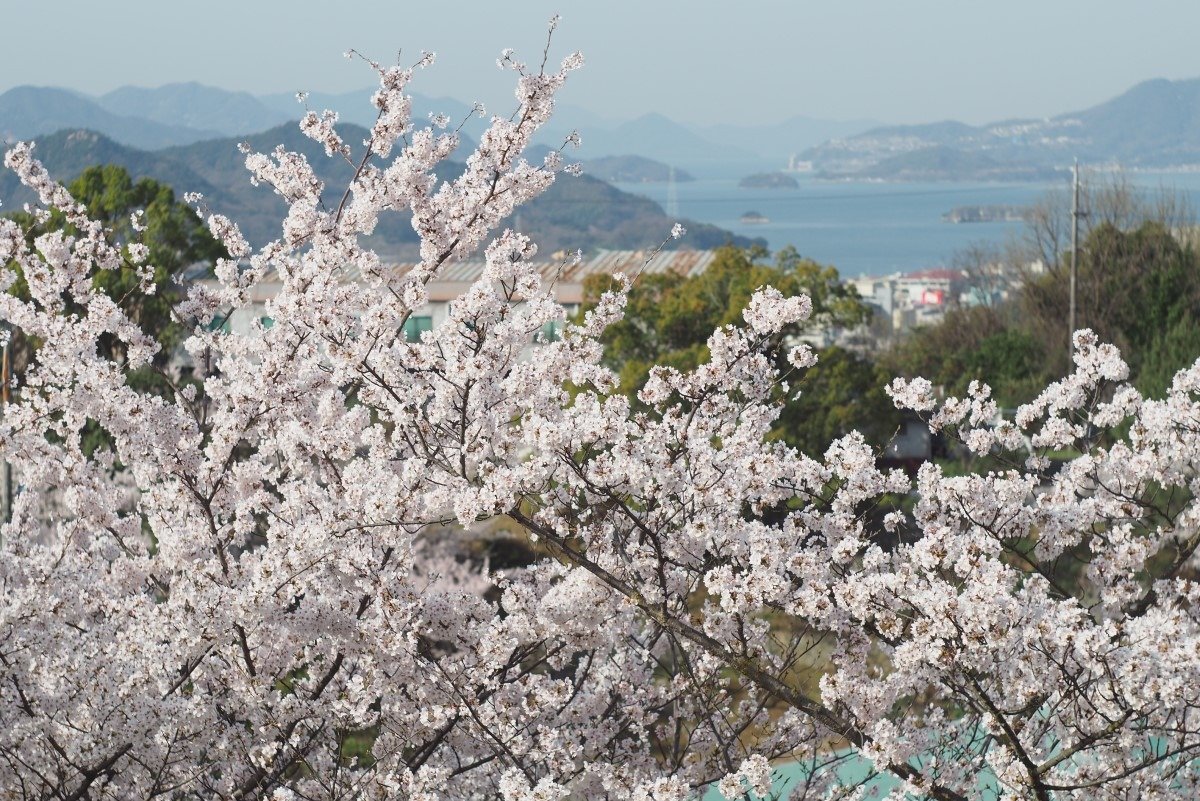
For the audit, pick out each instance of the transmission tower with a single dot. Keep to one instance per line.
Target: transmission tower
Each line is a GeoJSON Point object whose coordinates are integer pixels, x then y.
{"type": "Point", "coordinates": [672, 195]}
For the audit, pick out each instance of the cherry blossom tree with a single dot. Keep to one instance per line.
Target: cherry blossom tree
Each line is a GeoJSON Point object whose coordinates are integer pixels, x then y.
{"type": "Point", "coordinates": [249, 596]}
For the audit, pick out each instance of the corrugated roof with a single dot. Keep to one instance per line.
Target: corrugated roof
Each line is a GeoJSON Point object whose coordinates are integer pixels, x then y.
{"type": "Point", "coordinates": [567, 278]}
{"type": "Point", "coordinates": [605, 262]}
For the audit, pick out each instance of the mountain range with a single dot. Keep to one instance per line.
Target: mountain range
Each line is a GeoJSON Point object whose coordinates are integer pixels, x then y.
{"type": "Point", "coordinates": [30, 111]}
{"type": "Point", "coordinates": [575, 212]}
{"type": "Point", "coordinates": [185, 113]}
{"type": "Point", "coordinates": [1154, 125]}
{"type": "Point", "coordinates": [198, 107]}
{"type": "Point", "coordinates": [180, 113]}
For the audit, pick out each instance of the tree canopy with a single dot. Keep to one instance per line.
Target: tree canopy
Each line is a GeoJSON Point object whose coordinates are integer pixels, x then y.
{"type": "Point", "coordinates": [173, 234]}
{"type": "Point", "coordinates": [669, 318]}
{"type": "Point", "coordinates": [1137, 287]}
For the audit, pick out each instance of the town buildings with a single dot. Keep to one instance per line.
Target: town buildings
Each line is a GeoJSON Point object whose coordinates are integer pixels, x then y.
{"type": "Point", "coordinates": [902, 301]}
{"type": "Point", "coordinates": [564, 274]}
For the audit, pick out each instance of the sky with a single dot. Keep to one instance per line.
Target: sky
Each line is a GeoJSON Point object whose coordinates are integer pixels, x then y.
{"type": "Point", "coordinates": [699, 61]}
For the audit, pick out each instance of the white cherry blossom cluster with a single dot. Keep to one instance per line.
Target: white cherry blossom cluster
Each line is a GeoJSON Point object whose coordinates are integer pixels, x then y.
{"type": "Point", "coordinates": [260, 589]}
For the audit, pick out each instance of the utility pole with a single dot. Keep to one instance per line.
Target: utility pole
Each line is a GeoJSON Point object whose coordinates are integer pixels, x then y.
{"type": "Point", "coordinates": [1075, 215]}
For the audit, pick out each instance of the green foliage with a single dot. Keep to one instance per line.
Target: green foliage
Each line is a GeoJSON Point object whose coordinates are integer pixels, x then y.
{"type": "Point", "coordinates": [1139, 289]}
{"type": "Point", "coordinates": [1011, 361]}
{"type": "Point", "coordinates": [1131, 287]}
{"type": "Point", "coordinates": [975, 343]}
{"type": "Point", "coordinates": [1153, 275]}
{"type": "Point", "coordinates": [176, 239]}
{"type": "Point", "coordinates": [843, 392]}
{"type": "Point", "coordinates": [1176, 347]}
{"type": "Point", "coordinates": [670, 317]}
{"type": "Point", "coordinates": [175, 236]}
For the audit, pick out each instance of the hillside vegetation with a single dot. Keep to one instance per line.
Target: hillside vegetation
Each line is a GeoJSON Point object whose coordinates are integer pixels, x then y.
{"type": "Point", "coordinates": [579, 212]}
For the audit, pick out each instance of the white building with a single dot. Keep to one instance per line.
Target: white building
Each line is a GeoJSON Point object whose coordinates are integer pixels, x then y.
{"type": "Point", "coordinates": [453, 281]}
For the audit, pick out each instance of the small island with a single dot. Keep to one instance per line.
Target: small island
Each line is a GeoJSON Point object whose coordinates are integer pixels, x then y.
{"type": "Point", "coordinates": [985, 214]}
{"type": "Point", "coordinates": [754, 218]}
{"type": "Point", "coordinates": [769, 180]}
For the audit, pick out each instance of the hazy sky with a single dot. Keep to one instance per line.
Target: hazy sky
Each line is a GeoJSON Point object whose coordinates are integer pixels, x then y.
{"type": "Point", "coordinates": [700, 60]}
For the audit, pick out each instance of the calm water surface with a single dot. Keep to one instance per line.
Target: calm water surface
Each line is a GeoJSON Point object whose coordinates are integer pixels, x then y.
{"type": "Point", "coordinates": [872, 228]}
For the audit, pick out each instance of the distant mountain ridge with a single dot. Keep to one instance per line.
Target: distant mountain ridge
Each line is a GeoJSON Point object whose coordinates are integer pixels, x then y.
{"type": "Point", "coordinates": [198, 107]}
{"type": "Point", "coordinates": [1154, 125]}
{"type": "Point", "coordinates": [574, 213]}
{"type": "Point", "coordinates": [184, 113]}
{"type": "Point", "coordinates": [30, 111]}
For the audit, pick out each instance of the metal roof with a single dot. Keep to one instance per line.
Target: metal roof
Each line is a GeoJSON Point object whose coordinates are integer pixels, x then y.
{"type": "Point", "coordinates": [564, 271]}
{"type": "Point", "coordinates": [566, 277]}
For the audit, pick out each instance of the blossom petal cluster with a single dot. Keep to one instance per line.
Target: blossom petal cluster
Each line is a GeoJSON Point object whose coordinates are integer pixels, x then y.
{"type": "Point", "coordinates": [265, 587]}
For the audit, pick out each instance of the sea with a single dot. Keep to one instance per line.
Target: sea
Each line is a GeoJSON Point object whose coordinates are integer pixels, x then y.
{"type": "Point", "coordinates": [872, 228]}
